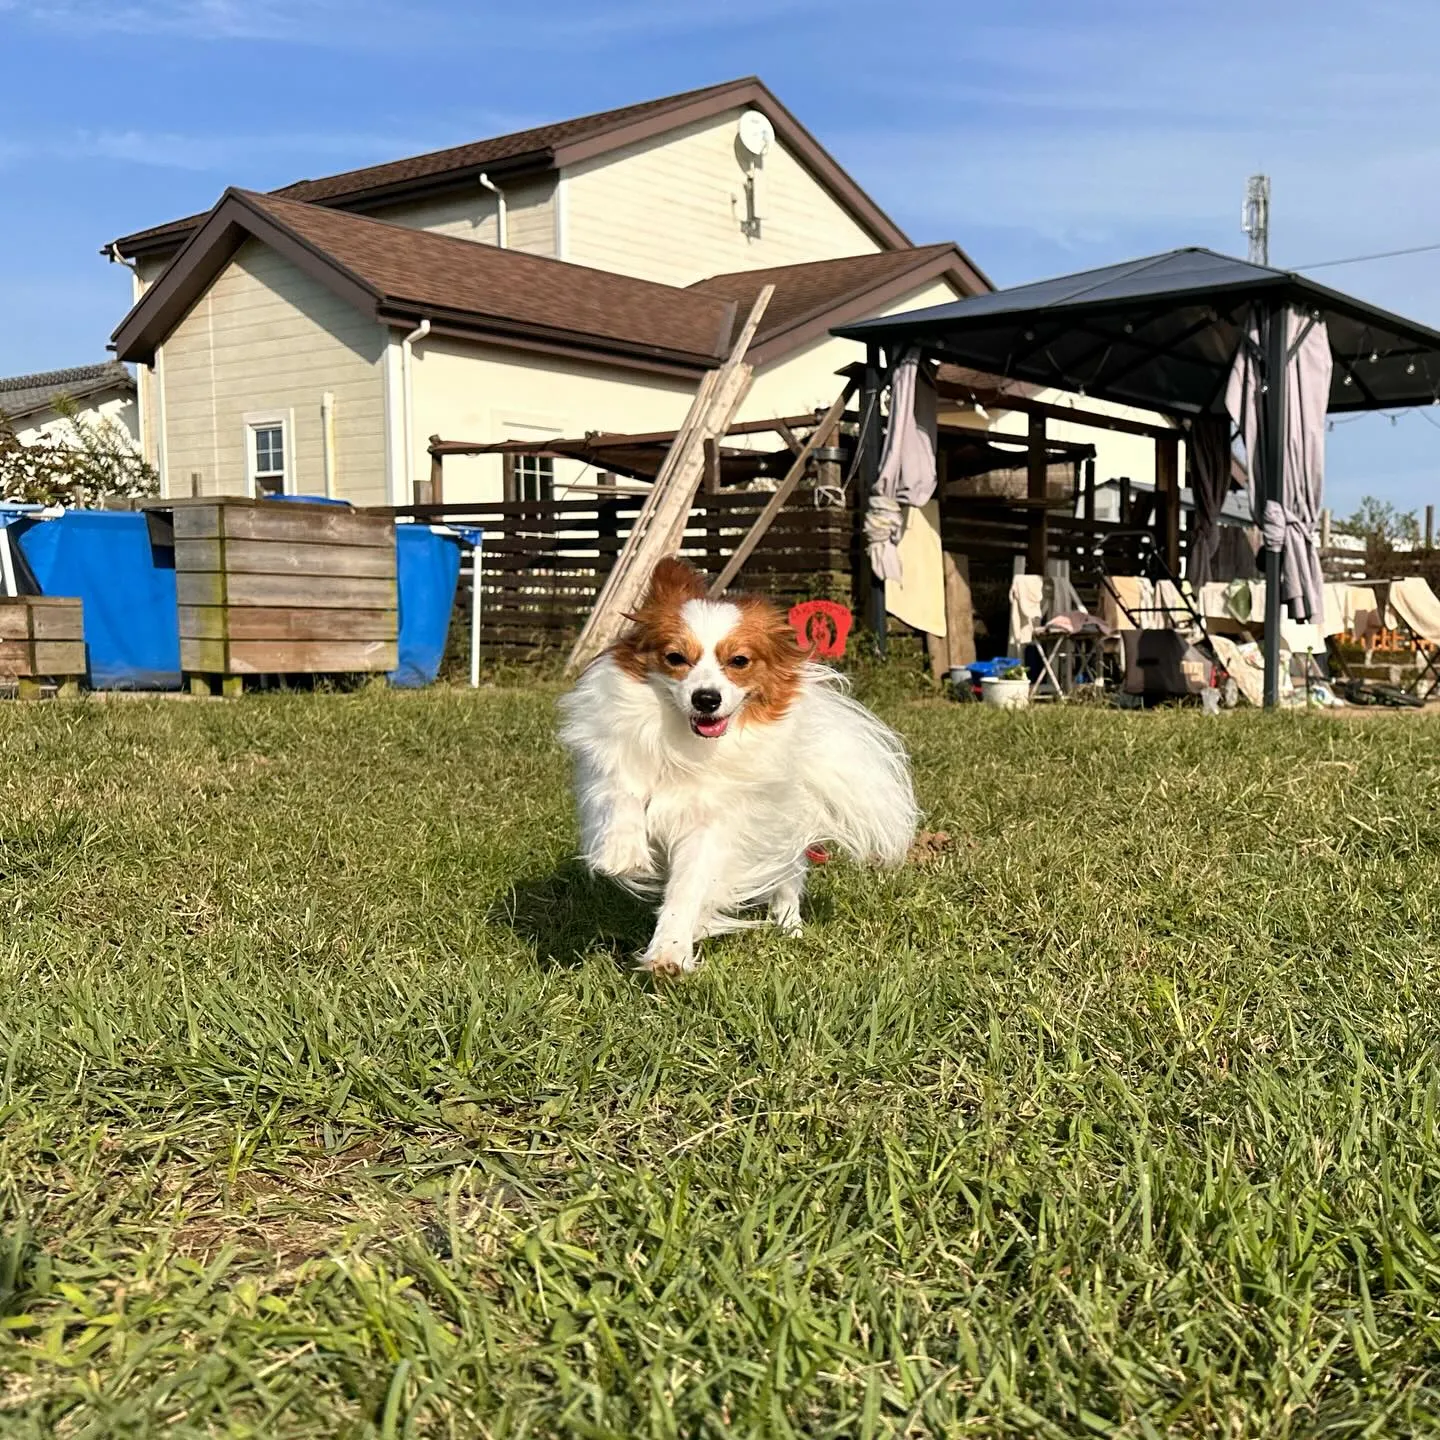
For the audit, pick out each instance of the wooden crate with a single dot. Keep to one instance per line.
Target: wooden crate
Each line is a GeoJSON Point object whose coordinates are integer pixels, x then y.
{"type": "Point", "coordinates": [42, 637]}
{"type": "Point", "coordinates": [269, 588]}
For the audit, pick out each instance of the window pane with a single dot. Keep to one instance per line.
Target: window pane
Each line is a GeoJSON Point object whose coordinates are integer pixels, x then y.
{"type": "Point", "coordinates": [269, 450]}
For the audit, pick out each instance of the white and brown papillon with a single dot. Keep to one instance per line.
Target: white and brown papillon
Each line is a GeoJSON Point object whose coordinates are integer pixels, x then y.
{"type": "Point", "coordinates": [710, 755]}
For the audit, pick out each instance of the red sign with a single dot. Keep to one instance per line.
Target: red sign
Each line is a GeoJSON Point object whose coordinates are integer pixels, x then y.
{"type": "Point", "coordinates": [822, 627]}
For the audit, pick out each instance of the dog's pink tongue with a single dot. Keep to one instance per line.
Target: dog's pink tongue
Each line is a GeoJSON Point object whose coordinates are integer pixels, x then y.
{"type": "Point", "coordinates": [712, 728]}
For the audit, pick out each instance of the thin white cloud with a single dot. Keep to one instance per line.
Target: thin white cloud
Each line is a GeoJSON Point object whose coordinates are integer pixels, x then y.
{"type": "Point", "coordinates": [191, 19]}
{"type": "Point", "coordinates": [349, 24]}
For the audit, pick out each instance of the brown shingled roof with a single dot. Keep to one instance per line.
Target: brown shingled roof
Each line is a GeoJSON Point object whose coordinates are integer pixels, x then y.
{"type": "Point", "coordinates": [429, 271]}
{"type": "Point", "coordinates": [400, 274]}
{"type": "Point", "coordinates": [542, 140]}
{"type": "Point", "coordinates": [541, 148]}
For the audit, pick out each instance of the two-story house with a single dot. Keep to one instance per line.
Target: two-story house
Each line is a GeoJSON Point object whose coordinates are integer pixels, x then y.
{"type": "Point", "coordinates": [577, 277]}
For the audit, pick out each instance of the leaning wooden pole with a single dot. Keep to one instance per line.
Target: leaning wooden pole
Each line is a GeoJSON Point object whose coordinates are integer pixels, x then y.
{"type": "Point", "coordinates": [1270, 487]}
{"type": "Point", "coordinates": [784, 490]}
{"type": "Point", "coordinates": [659, 529]}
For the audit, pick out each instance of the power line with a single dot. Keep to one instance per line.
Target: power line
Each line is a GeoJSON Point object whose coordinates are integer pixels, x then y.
{"type": "Point", "coordinates": [1360, 259]}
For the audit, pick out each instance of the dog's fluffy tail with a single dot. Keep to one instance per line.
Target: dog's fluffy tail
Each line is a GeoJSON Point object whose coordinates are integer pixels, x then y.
{"type": "Point", "coordinates": [856, 769]}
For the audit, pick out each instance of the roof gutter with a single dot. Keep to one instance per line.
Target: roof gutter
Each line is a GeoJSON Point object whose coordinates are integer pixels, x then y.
{"type": "Point", "coordinates": [471, 325]}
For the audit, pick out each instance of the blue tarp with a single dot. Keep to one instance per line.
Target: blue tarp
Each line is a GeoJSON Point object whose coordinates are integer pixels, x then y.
{"type": "Point", "coordinates": [127, 588]}
{"type": "Point", "coordinates": [427, 568]}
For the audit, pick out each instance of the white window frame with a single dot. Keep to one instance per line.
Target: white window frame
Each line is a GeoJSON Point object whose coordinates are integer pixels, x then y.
{"type": "Point", "coordinates": [514, 425]}
{"type": "Point", "coordinates": [512, 476]}
{"type": "Point", "coordinates": [284, 421]}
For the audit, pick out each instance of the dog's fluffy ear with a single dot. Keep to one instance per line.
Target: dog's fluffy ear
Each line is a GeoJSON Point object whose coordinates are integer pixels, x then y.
{"type": "Point", "coordinates": [672, 583]}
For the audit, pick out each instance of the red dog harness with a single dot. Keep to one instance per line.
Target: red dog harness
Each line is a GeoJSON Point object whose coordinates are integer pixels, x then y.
{"type": "Point", "coordinates": [817, 854]}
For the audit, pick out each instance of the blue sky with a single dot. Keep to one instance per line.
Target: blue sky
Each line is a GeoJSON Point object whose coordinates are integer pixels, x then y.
{"type": "Point", "coordinates": [1045, 136]}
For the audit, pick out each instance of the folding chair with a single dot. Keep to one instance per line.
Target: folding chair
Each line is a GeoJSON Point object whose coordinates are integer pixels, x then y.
{"type": "Point", "coordinates": [1411, 606]}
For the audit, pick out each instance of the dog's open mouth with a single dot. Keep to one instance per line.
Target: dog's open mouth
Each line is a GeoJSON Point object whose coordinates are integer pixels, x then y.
{"type": "Point", "coordinates": [711, 727]}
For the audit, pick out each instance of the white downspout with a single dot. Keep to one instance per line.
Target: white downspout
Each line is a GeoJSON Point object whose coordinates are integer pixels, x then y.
{"type": "Point", "coordinates": [408, 401]}
{"type": "Point", "coordinates": [327, 436]}
{"type": "Point", "coordinates": [499, 195]}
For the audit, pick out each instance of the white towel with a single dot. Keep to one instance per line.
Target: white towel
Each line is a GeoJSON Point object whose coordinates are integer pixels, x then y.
{"type": "Point", "coordinates": [1027, 609]}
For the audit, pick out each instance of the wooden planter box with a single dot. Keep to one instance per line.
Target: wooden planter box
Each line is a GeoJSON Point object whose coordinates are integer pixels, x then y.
{"type": "Point", "coordinates": [42, 637]}
{"type": "Point", "coordinates": [269, 588]}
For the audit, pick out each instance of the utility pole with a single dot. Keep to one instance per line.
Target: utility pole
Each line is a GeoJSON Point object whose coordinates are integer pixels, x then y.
{"type": "Point", "coordinates": [1255, 219]}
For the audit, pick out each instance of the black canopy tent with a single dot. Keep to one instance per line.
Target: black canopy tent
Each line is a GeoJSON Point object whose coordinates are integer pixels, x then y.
{"type": "Point", "coordinates": [1162, 333]}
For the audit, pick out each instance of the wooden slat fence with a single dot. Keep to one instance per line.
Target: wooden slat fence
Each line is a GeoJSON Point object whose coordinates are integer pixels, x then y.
{"type": "Point", "coordinates": [1357, 565]}
{"type": "Point", "coordinates": [545, 561]}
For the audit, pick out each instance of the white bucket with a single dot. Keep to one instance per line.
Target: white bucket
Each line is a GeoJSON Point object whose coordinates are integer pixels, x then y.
{"type": "Point", "coordinates": [1005, 694]}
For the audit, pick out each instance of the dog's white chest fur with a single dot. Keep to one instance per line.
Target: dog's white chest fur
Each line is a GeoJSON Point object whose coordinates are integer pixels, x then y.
{"type": "Point", "coordinates": [717, 825]}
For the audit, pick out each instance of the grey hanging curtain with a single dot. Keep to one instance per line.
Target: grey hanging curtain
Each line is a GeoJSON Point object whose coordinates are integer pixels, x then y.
{"type": "Point", "coordinates": [1288, 525]}
{"type": "Point", "coordinates": [907, 468]}
{"type": "Point", "coordinates": [1209, 445]}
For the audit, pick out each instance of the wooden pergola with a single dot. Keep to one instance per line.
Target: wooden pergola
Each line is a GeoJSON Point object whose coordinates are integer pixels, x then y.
{"type": "Point", "coordinates": [955, 383]}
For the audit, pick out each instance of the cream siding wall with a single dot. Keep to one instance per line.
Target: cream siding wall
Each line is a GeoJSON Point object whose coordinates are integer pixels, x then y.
{"type": "Point", "coordinates": [147, 270]}
{"type": "Point", "coordinates": [471, 392]}
{"type": "Point", "coordinates": [266, 338]}
{"type": "Point", "coordinates": [484, 393]}
{"type": "Point", "coordinates": [472, 214]}
{"type": "Point", "coordinates": [670, 209]}
{"type": "Point", "coordinates": [806, 379]}
{"type": "Point", "coordinates": [148, 411]}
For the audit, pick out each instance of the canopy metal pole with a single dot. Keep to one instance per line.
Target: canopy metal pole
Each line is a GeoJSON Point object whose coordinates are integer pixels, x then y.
{"type": "Point", "coordinates": [870, 443]}
{"type": "Point", "coordinates": [1271, 488]}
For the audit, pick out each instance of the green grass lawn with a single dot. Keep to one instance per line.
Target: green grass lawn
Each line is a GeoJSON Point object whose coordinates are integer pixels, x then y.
{"type": "Point", "coordinates": [332, 1108]}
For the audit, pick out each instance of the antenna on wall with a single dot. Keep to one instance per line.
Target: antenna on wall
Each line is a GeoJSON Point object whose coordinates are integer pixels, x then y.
{"type": "Point", "coordinates": [755, 136]}
{"type": "Point", "coordinates": [1255, 220]}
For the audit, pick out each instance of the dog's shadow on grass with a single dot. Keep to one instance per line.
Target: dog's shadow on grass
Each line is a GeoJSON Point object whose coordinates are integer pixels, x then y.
{"type": "Point", "coordinates": [567, 915]}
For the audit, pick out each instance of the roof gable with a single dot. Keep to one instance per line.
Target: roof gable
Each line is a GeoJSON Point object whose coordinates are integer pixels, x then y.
{"type": "Point", "coordinates": [400, 275]}
{"type": "Point", "coordinates": [551, 147]}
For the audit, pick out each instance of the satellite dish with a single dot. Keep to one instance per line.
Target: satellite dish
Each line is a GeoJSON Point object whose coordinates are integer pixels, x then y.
{"type": "Point", "coordinates": [756, 133]}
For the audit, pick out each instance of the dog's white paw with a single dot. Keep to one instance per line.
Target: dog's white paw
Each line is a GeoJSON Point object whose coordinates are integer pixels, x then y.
{"type": "Point", "coordinates": [625, 852]}
{"type": "Point", "coordinates": [669, 957]}
{"type": "Point", "coordinates": [786, 918]}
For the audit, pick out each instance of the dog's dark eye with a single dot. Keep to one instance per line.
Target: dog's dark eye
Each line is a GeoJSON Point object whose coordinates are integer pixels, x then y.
{"type": "Point", "coordinates": [739, 662]}
{"type": "Point", "coordinates": [676, 658]}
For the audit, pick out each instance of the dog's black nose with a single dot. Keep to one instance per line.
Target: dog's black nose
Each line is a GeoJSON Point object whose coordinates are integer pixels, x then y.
{"type": "Point", "coordinates": [707, 702]}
